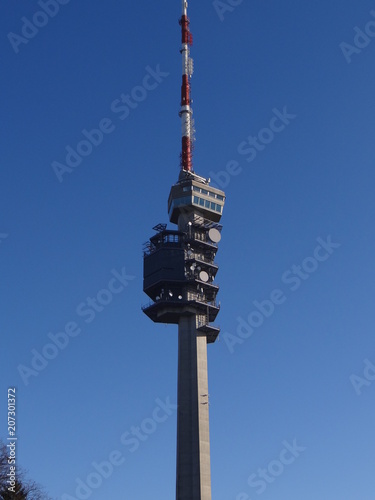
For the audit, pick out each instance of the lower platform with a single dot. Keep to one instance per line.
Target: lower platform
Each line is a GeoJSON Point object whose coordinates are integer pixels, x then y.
{"type": "Point", "coordinates": [171, 310]}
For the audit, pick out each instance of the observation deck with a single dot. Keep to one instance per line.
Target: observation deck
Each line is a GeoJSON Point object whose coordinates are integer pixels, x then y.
{"type": "Point", "coordinates": [179, 273]}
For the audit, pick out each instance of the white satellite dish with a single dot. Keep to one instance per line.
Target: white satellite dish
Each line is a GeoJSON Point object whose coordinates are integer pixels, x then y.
{"type": "Point", "coordinates": [214, 235]}
{"type": "Point", "coordinates": [203, 276]}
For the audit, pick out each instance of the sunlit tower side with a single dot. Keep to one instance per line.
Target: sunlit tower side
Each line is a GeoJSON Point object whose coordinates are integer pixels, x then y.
{"type": "Point", "coordinates": [179, 278]}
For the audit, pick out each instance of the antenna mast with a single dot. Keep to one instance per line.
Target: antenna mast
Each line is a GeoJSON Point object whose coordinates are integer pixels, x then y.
{"type": "Point", "coordinates": [186, 112]}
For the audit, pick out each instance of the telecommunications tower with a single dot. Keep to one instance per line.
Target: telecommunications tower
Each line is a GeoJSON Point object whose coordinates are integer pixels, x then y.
{"type": "Point", "coordinates": [179, 274]}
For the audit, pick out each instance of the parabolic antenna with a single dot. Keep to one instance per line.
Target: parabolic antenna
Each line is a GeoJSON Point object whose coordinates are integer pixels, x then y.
{"type": "Point", "coordinates": [214, 235]}
{"type": "Point", "coordinates": [203, 276]}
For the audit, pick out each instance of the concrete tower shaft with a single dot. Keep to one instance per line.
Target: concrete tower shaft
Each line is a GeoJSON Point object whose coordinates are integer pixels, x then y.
{"type": "Point", "coordinates": [193, 471]}
{"type": "Point", "coordinates": [193, 476]}
{"type": "Point", "coordinates": [179, 277]}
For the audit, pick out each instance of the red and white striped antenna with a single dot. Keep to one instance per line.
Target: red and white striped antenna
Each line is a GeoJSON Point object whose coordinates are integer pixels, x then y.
{"type": "Point", "coordinates": [186, 111]}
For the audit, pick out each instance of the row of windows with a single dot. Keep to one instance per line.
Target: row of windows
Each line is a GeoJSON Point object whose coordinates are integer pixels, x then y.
{"type": "Point", "coordinates": [181, 201]}
{"type": "Point", "coordinates": [207, 204]}
{"type": "Point", "coordinates": [204, 191]}
{"type": "Point", "coordinates": [187, 200]}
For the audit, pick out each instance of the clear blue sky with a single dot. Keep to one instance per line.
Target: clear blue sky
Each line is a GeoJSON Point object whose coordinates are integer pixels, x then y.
{"type": "Point", "coordinates": [310, 181]}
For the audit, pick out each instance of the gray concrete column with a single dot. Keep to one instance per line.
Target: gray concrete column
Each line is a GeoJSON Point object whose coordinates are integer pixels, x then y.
{"type": "Point", "coordinates": [193, 440]}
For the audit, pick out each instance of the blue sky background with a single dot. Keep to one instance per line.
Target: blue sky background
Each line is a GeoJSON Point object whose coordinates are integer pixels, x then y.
{"type": "Point", "coordinates": [61, 240]}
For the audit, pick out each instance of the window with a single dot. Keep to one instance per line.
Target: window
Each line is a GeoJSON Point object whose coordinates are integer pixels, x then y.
{"type": "Point", "coordinates": [199, 201]}
{"type": "Point", "coordinates": [186, 200]}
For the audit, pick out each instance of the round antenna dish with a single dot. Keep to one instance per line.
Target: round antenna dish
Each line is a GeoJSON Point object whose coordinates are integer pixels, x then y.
{"type": "Point", "coordinates": [214, 235]}
{"type": "Point", "coordinates": [203, 276]}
